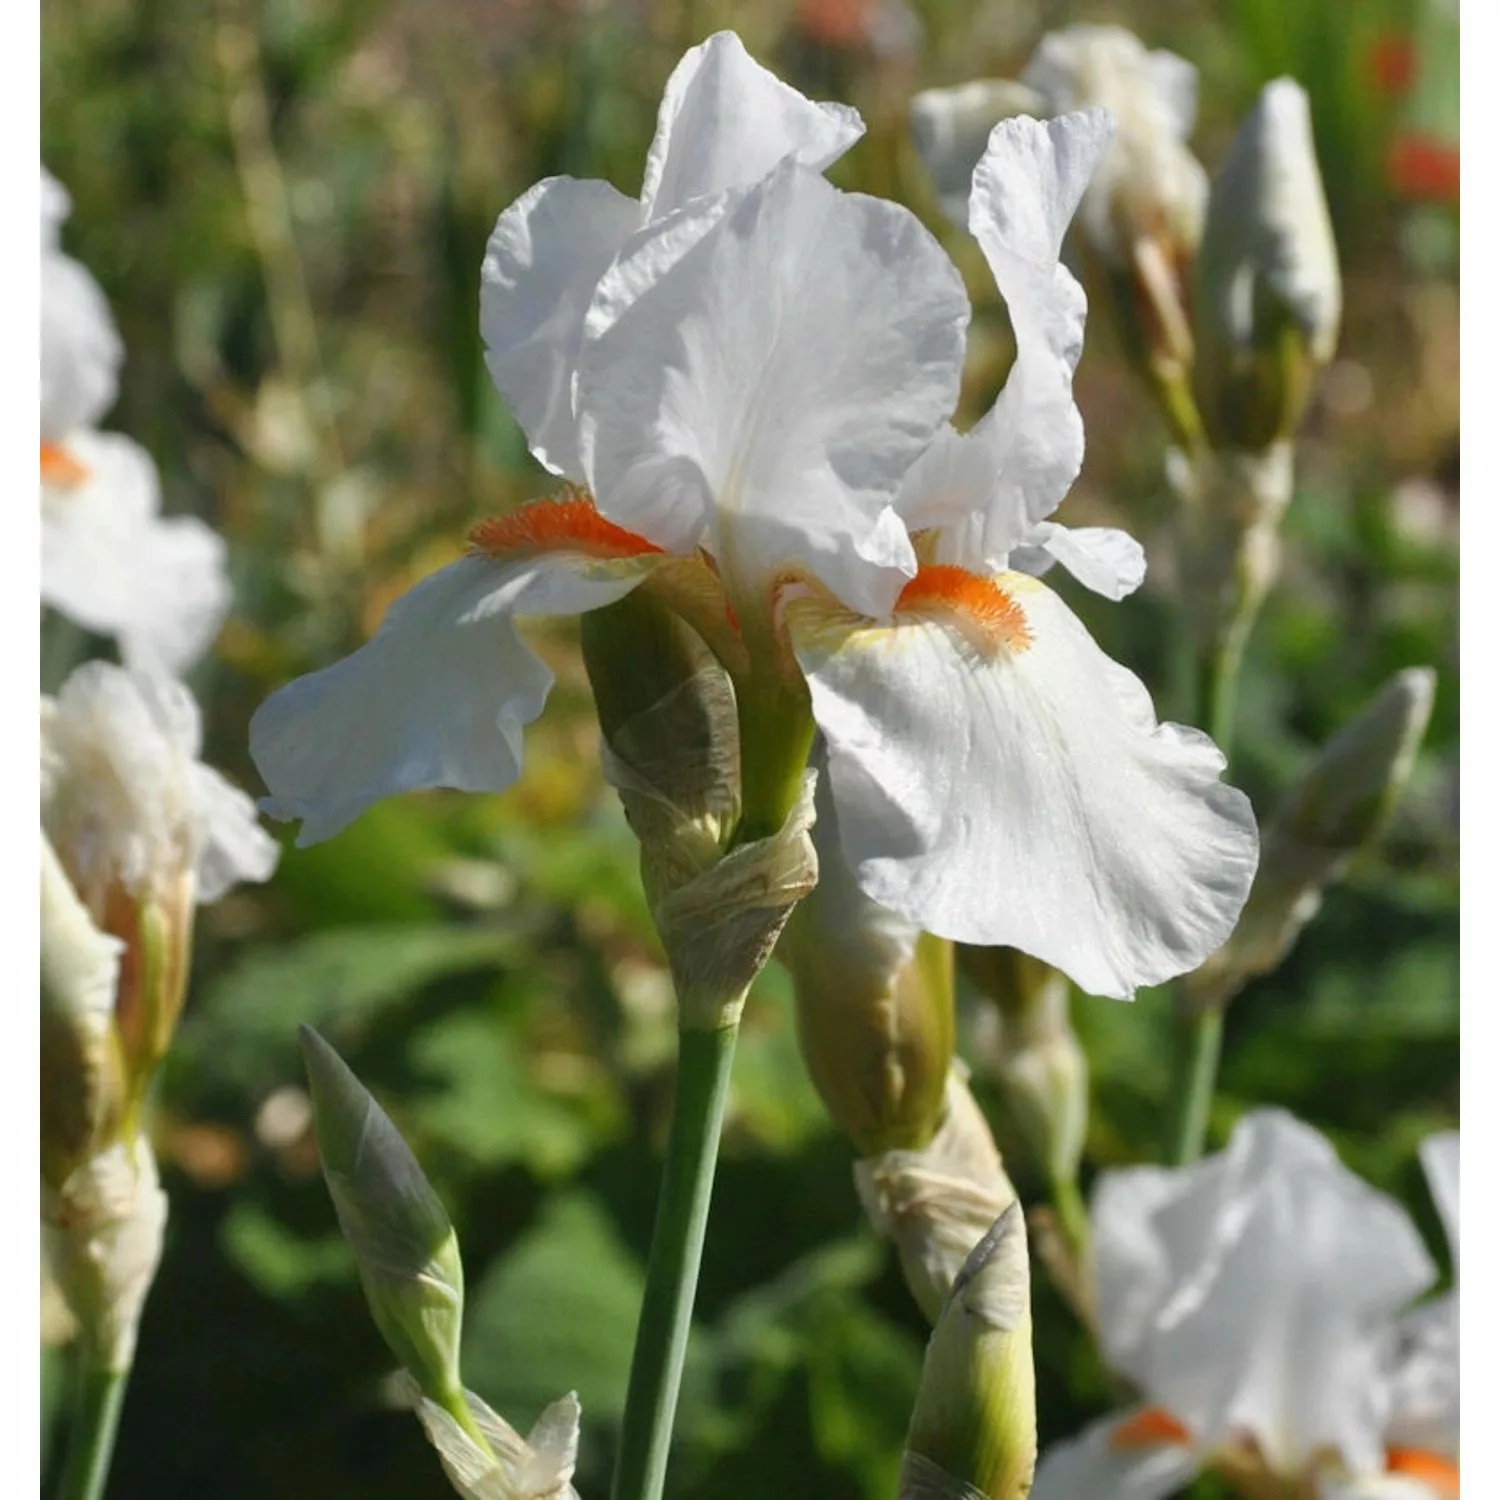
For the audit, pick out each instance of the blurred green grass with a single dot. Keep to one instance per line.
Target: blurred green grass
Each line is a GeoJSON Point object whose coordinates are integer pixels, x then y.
{"type": "Point", "coordinates": [287, 206]}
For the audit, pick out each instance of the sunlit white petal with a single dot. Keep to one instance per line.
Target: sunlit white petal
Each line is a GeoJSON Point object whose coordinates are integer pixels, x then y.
{"type": "Point", "coordinates": [1021, 792]}
{"type": "Point", "coordinates": [437, 698]}
{"type": "Point", "coordinates": [1108, 561]}
{"type": "Point", "coordinates": [766, 397]}
{"type": "Point", "coordinates": [541, 265]}
{"type": "Point", "coordinates": [1098, 1465]}
{"type": "Point", "coordinates": [111, 563]}
{"type": "Point", "coordinates": [725, 122]}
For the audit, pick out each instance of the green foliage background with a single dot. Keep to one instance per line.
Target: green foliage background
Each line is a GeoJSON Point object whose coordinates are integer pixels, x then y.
{"type": "Point", "coordinates": [287, 205]}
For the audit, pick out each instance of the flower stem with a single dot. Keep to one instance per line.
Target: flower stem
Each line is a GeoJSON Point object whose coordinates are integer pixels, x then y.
{"type": "Point", "coordinates": [1198, 1031]}
{"type": "Point", "coordinates": [1195, 1066]}
{"type": "Point", "coordinates": [97, 1401]}
{"type": "Point", "coordinates": [703, 1067]}
{"type": "Point", "coordinates": [1072, 1214]}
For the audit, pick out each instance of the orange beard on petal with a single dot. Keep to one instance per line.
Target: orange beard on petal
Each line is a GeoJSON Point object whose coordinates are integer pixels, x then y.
{"type": "Point", "coordinates": [60, 468]}
{"type": "Point", "coordinates": [1441, 1474]}
{"type": "Point", "coordinates": [991, 616]}
{"type": "Point", "coordinates": [570, 523]}
{"type": "Point", "coordinates": [1148, 1429]}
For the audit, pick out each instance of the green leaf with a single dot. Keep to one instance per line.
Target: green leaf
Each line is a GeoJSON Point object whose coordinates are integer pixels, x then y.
{"type": "Point", "coordinates": [244, 1029]}
{"type": "Point", "coordinates": [557, 1313]}
{"type": "Point", "coordinates": [282, 1264]}
{"type": "Point", "coordinates": [489, 1105]}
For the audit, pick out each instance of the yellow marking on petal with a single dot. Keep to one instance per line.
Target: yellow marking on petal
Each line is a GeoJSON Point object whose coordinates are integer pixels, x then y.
{"type": "Point", "coordinates": [568, 524]}
{"type": "Point", "coordinates": [1440, 1474]}
{"type": "Point", "coordinates": [955, 594]}
{"type": "Point", "coordinates": [1148, 1429]}
{"type": "Point", "coordinates": [60, 468]}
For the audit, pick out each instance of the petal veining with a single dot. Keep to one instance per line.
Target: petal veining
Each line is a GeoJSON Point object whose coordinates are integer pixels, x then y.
{"type": "Point", "coordinates": [1026, 797]}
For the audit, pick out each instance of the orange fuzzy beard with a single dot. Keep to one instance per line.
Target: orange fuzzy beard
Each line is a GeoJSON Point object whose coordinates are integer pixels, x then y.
{"type": "Point", "coordinates": [940, 590]}
{"type": "Point", "coordinates": [568, 524]}
{"type": "Point", "coordinates": [1148, 1429]}
{"type": "Point", "coordinates": [60, 468]}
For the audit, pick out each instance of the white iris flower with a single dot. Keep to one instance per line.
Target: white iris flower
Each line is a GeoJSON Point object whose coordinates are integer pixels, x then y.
{"type": "Point", "coordinates": [1149, 185]}
{"type": "Point", "coordinates": [749, 378]}
{"type": "Point", "coordinates": [1255, 1299]}
{"type": "Point", "coordinates": [110, 561]}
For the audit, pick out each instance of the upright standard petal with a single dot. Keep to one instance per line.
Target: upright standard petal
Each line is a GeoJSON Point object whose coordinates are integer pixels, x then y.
{"type": "Point", "coordinates": [725, 122]}
{"type": "Point", "coordinates": [542, 263]}
{"type": "Point", "coordinates": [1138, 1455]}
{"type": "Point", "coordinates": [1000, 781]}
{"type": "Point", "coordinates": [111, 563]}
{"type": "Point", "coordinates": [438, 697]}
{"type": "Point", "coordinates": [986, 490]}
{"type": "Point", "coordinates": [1275, 1274]}
{"type": "Point", "coordinates": [765, 397]}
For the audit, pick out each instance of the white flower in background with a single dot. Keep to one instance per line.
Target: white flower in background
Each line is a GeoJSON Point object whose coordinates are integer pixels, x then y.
{"type": "Point", "coordinates": [760, 405]}
{"type": "Point", "coordinates": [1253, 1300]}
{"type": "Point", "coordinates": [110, 561]}
{"type": "Point", "coordinates": [80, 346]}
{"type": "Point", "coordinates": [130, 810]}
{"type": "Point", "coordinates": [1149, 184]}
{"type": "Point", "coordinates": [1424, 1418]}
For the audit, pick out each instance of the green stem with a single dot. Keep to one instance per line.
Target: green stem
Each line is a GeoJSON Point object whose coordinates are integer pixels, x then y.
{"type": "Point", "coordinates": [1195, 1066]}
{"type": "Point", "coordinates": [1072, 1214]}
{"type": "Point", "coordinates": [703, 1068]}
{"type": "Point", "coordinates": [91, 1442]}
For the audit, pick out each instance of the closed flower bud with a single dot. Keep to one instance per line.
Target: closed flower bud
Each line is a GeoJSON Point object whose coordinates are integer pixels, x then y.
{"type": "Point", "coordinates": [102, 1234]}
{"type": "Point", "coordinates": [874, 1005]}
{"type": "Point", "coordinates": [403, 1242]}
{"type": "Point", "coordinates": [1268, 289]}
{"type": "Point", "coordinates": [937, 1203]}
{"type": "Point", "coordinates": [1337, 807]}
{"type": "Point", "coordinates": [1038, 1062]}
{"type": "Point", "coordinates": [973, 1430]}
{"type": "Point", "coordinates": [83, 1087]}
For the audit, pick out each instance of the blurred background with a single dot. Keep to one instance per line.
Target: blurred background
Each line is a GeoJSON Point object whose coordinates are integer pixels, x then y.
{"type": "Point", "coordinates": [287, 205]}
